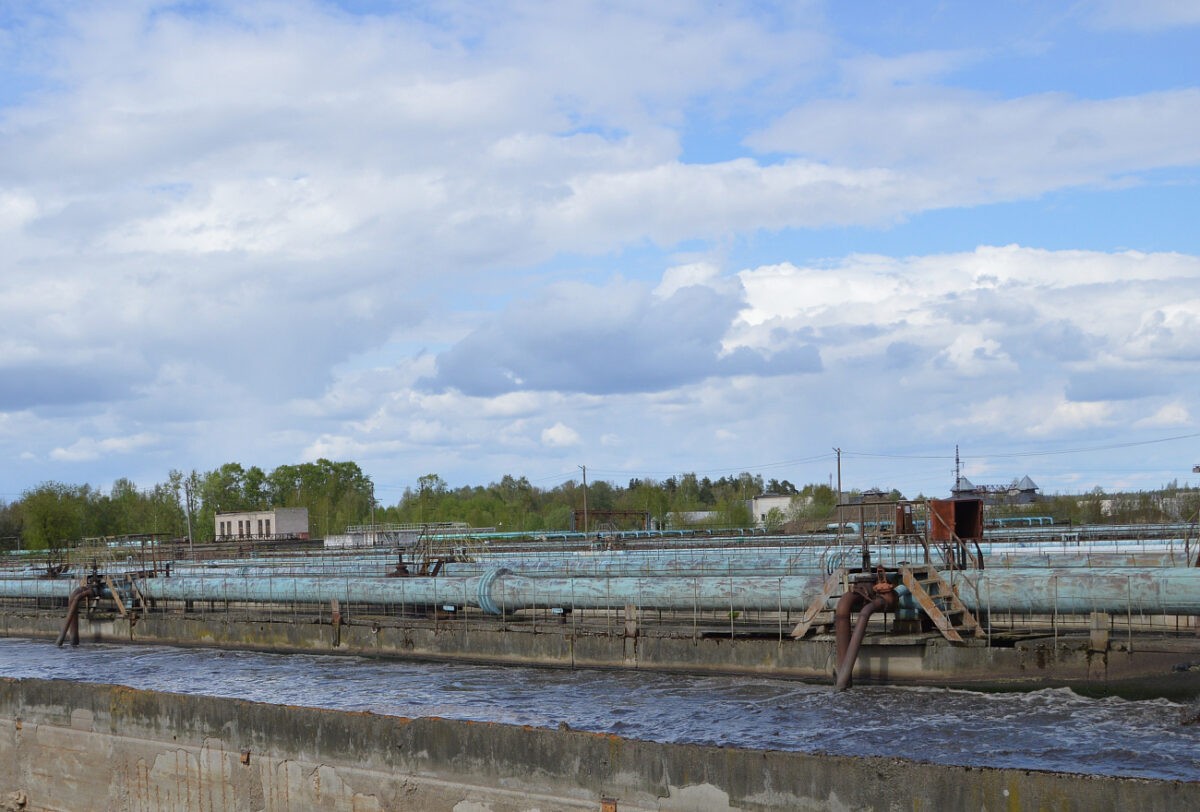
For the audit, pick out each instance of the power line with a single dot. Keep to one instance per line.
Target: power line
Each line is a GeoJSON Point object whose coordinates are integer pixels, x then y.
{"type": "Point", "coordinates": [898, 456]}
{"type": "Point", "coordinates": [1011, 454]}
{"type": "Point", "coordinates": [1087, 449]}
{"type": "Point", "coordinates": [562, 477]}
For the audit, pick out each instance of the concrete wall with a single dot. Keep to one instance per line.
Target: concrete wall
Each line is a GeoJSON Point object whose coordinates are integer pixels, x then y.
{"type": "Point", "coordinates": [74, 746]}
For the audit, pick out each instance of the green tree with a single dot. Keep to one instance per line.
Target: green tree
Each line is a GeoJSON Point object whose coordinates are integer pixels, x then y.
{"type": "Point", "coordinates": [775, 520]}
{"type": "Point", "coordinates": [734, 512]}
{"type": "Point", "coordinates": [52, 514]}
{"type": "Point", "coordinates": [431, 489]}
{"type": "Point", "coordinates": [256, 493]}
{"type": "Point", "coordinates": [10, 525]}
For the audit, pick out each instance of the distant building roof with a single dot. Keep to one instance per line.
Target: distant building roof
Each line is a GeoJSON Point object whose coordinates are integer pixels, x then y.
{"type": "Point", "coordinates": [1021, 491]}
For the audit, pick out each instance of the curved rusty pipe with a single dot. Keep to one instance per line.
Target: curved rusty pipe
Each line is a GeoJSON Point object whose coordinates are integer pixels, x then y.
{"type": "Point", "coordinates": [885, 598]}
{"type": "Point", "coordinates": [71, 625]}
{"type": "Point", "coordinates": [847, 605]}
{"type": "Point", "coordinates": [846, 666]}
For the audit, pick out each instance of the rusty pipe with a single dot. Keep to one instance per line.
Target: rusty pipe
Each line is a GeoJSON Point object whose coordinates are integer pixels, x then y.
{"type": "Point", "coordinates": [885, 598]}
{"type": "Point", "coordinates": [71, 624]}
{"type": "Point", "coordinates": [847, 605]}
{"type": "Point", "coordinates": [846, 665]}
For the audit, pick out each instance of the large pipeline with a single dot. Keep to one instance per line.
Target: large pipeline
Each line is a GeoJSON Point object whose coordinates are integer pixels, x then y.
{"type": "Point", "coordinates": [685, 563]}
{"type": "Point", "coordinates": [499, 591]}
{"type": "Point", "coordinates": [1081, 590]}
{"type": "Point", "coordinates": [1173, 591]}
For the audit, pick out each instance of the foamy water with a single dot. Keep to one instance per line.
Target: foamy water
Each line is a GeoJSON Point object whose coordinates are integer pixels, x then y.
{"type": "Point", "coordinates": [1051, 729]}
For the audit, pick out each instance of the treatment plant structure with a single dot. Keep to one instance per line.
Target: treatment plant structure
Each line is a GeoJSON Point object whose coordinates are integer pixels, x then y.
{"type": "Point", "coordinates": [897, 592]}
{"type": "Point", "coordinates": [912, 593]}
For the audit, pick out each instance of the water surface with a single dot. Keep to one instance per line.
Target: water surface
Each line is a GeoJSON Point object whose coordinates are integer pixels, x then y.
{"type": "Point", "coordinates": [1051, 729]}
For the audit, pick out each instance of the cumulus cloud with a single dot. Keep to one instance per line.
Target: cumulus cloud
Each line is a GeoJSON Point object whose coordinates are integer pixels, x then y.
{"type": "Point", "coordinates": [260, 189]}
{"type": "Point", "coordinates": [618, 338]}
{"type": "Point", "coordinates": [1171, 332]}
{"type": "Point", "coordinates": [471, 236]}
{"type": "Point", "coordinates": [1097, 323]}
{"type": "Point", "coordinates": [560, 436]}
{"type": "Point", "coordinates": [90, 448]}
{"type": "Point", "coordinates": [1000, 345]}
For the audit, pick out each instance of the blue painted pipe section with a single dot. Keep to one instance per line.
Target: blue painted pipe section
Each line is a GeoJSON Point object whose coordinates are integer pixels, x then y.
{"type": "Point", "coordinates": [1036, 591]}
{"type": "Point", "coordinates": [760, 561]}
{"type": "Point", "coordinates": [1174, 591]}
{"type": "Point", "coordinates": [498, 591]}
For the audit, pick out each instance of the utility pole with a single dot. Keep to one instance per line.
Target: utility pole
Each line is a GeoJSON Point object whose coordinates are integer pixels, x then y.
{"type": "Point", "coordinates": [585, 514]}
{"type": "Point", "coordinates": [838, 507]}
{"type": "Point", "coordinates": [838, 451]}
{"type": "Point", "coordinates": [374, 529]}
{"type": "Point", "coordinates": [187, 495]}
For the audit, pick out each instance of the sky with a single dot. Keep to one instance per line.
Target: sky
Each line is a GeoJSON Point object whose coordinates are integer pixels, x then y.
{"type": "Point", "coordinates": [479, 239]}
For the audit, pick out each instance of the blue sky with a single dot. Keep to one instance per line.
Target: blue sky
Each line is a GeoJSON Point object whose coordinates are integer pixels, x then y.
{"type": "Point", "coordinates": [514, 238]}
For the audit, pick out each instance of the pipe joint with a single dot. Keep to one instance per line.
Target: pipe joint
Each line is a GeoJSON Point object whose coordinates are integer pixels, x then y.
{"type": "Point", "coordinates": [486, 602]}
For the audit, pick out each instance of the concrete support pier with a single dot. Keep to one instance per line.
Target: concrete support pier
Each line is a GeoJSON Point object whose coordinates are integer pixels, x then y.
{"type": "Point", "coordinates": [77, 746]}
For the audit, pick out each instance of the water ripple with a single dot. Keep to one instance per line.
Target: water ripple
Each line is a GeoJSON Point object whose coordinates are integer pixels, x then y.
{"type": "Point", "coordinates": [1050, 729]}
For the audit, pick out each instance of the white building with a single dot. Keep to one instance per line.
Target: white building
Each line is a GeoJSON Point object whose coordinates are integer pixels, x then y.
{"type": "Point", "coordinates": [263, 524]}
{"type": "Point", "coordinates": [761, 506]}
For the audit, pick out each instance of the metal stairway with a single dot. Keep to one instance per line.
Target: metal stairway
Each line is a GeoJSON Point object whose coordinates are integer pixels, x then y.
{"type": "Point", "coordinates": [940, 603]}
{"type": "Point", "coordinates": [125, 594]}
{"type": "Point", "coordinates": [936, 598]}
{"type": "Point", "coordinates": [835, 585]}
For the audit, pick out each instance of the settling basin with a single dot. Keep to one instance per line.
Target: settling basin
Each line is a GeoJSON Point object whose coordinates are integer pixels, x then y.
{"type": "Point", "coordinates": [1049, 729]}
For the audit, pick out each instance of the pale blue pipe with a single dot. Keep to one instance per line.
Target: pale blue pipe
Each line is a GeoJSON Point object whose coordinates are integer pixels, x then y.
{"type": "Point", "coordinates": [1171, 591]}
{"type": "Point", "coordinates": [692, 562]}
{"type": "Point", "coordinates": [499, 591]}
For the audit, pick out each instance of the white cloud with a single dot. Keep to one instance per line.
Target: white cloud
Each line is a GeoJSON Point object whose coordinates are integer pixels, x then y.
{"type": "Point", "coordinates": [1171, 415]}
{"type": "Point", "coordinates": [90, 448]}
{"type": "Point", "coordinates": [961, 147]}
{"type": "Point", "coordinates": [560, 436]}
{"type": "Point", "coordinates": [971, 354]}
{"type": "Point", "coordinates": [266, 231]}
{"type": "Point", "coordinates": [1142, 15]}
{"type": "Point", "coordinates": [682, 276]}
{"type": "Point", "coordinates": [1070, 417]}
{"type": "Point", "coordinates": [1171, 332]}
{"type": "Point", "coordinates": [1013, 306]}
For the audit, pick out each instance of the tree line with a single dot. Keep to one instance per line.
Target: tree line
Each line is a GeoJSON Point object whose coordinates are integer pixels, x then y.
{"type": "Point", "coordinates": [54, 513]}
{"type": "Point", "coordinates": [513, 504]}
{"type": "Point", "coordinates": [339, 494]}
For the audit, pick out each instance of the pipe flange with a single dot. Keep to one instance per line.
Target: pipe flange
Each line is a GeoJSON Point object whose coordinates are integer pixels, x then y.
{"type": "Point", "coordinates": [486, 603]}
